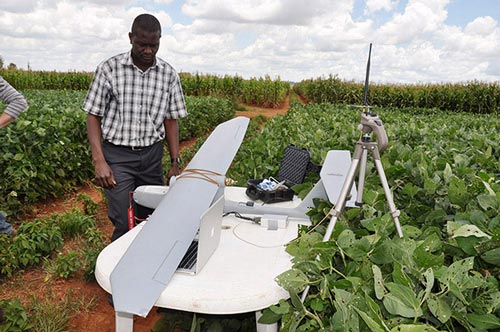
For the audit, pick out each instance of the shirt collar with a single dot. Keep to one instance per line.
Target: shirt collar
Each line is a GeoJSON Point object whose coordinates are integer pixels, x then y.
{"type": "Point", "coordinates": [127, 61]}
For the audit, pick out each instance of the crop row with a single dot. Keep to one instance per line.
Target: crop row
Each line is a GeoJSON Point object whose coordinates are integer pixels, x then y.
{"type": "Point", "coordinates": [263, 92]}
{"type": "Point", "coordinates": [45, 152]}
{"type": "Point", "coordinates": [473, 96]}
{"type": "Point", "coordinates": [444, 274]}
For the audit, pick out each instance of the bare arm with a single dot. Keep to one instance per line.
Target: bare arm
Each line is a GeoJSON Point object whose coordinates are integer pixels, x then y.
{"type": "Point", "coordinates": [172, 138]}
{"type": "Point", "coordinates": [103, 174]}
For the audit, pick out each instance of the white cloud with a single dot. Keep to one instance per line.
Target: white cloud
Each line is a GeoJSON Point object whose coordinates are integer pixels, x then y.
{"type": "Point", "coordinates": [69, 35]}
{"type": "Point", "coordinates": [482, 26]}
{"type": "Point", "coordinates": [102, 2]}
{"type": "Point", "coordinates": [373, 6]}
{"type": "Point", "coordinates": [419, 17]}
{"type": "Point", "coordinates": [16, 6]}
{"type": "Point", "coordinates": [293, 39]}
{"type": "Point", "coordinates": [275, 12]}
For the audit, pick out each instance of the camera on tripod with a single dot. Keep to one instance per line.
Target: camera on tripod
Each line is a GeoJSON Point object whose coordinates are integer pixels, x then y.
{"type": "Point", "coordinates": [370, 122]}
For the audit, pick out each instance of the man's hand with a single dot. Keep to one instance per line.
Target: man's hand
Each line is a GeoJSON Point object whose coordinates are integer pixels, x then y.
{"type": "Point", "coordinates": [104, 175]}
{"type": "Point", "coordinates": [173, 171]}
{"type": "Point", "coordinates": [5, 119]}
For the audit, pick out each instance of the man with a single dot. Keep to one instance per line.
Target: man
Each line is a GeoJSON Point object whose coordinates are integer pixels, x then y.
{"type": "Point", "coordinates": [133, 103]}
{"type": "Point", "coordinates": [15, 105]}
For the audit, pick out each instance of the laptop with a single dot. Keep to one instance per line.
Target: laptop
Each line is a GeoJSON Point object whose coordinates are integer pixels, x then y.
{"type": "Point", "coordinates": [206, 240]}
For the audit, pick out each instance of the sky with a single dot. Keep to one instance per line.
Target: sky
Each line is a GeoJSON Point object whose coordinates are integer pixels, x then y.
{"type": "Point", "coordinates": [414, 41]}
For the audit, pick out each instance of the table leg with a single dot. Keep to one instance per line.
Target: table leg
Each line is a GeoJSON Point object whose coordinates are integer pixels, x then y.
{"type": "Point", "coordinates": [124, 322]}
{"type": "Point", "coordinates": [264, 327]}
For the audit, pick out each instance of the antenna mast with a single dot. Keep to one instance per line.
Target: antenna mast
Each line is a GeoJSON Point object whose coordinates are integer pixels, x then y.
{"type": "Point", "coordinates": [367, 79]}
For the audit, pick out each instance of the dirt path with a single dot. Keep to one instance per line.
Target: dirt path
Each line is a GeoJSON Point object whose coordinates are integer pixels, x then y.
{"type": "Point", "coordinates": [99, 316]}
{"type": "Point", "coordinates": [253, 111]}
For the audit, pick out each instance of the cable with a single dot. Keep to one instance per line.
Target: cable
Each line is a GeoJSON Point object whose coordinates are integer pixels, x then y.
{"type": "Point", "coordinates": [254, 244]}
{"type": "Point", "coordinates": [254, 220]}
{"type": "Point", "coordinates": [202, 174]}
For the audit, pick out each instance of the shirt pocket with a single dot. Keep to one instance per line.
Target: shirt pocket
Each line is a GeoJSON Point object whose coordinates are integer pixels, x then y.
{"type": "Point", "coordinates": [159, 103]}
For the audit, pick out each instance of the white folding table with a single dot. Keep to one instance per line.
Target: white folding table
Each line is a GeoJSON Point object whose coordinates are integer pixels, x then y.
{"type": "Point", "coordinates": [238, 278]}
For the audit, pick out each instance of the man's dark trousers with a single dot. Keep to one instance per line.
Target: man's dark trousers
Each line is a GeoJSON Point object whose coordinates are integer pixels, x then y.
{"type": "Point", "coordinates": [131, 168]}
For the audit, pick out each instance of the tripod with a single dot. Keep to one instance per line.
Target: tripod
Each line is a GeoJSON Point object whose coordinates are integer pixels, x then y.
{"type": "Point", "coordinates": [370, 123]}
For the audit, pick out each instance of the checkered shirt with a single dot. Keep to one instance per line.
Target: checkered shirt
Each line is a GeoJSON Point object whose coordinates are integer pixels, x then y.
{"type": "Point", "coordinates": [133, 104]}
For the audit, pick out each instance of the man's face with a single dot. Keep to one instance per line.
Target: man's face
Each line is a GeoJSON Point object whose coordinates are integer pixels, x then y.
{"type": "Point", "coordinates": [145, 44]}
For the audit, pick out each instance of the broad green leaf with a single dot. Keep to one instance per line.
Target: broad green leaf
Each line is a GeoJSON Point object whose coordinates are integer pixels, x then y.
{"type": "Point", "coordinates": [484, 321]}
{"type": "Point", "coordinates": [316, 304]}
{"type": "Point", "coordinates": [296, 302]}
{"type": "Point", "coordinates": [372, 324]}
{"type": "Point", "coordinates": [468, 244]}
{"type": "Point", "coordinates": [355, 249]}
{"type": "Point", "coordinates": [436, 216]}
{"type": "Point", "coordinates": [447, 173]}
{"type": "Point", "coordinates": [269, 317]}
{"type": "Point", "coordinates": [399, 276]}
{"type": "Point", "coordinates": [479, 218]}
{"type": "Point", "coordinates": [410, 190]}
{"type": "Point", "coordinates": [488, 201]}
{"type": "Point", "coordinates": [402, 301]}
{"type": "Point", "coordinates": [381, 254]}
{"type": "Point", "coordinates": [370, 197]}
{"type": "Point", "coordinates": [355, 282]}
{"type": "Point", "coordinates": [439, 308]}
{"type": "Point", "coordinates": [428, 283]}
{"type": "Point", "coordinates": [469, 230]}
{"type": "Point", "coordinates": [429, 186]}
{"type": "Point", "coordinates": [347, 317]}
{"type": "Point", "coordinates": [378, 282]}
{"type": "Point", "coordinates": [457, 291]}
{"type": "Point", "coordinates": [414, 328]}
{"type": "Point", "coordinates": [486, 178]}
{"type": "Point", "coordinates": [293, 279]}
{"type": "Point", "coordinates": [457, 192]}
{"type": "Point", "coordinates": [346, 239]}
{"type": "Point", "coordinates": [405, 293]}
{"type": "Point", "coordinates": [395, 306]}
{"type": "Point", "coordinates": [458, 271]}
{"type": "Point", "coordinates": [423, 254]}
{"type": "Point", "coordinates": [282, 308]}
{"type": "Point", "coordinates": [411, 231]}
{"type": "Point", "coordinates": [492, 256]}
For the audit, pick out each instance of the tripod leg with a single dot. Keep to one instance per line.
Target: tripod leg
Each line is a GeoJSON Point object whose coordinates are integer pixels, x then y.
{"type": "Point", "coordinates": [361, 178]}
{"type": "Point", "coordinates": [394, 212]}
{"type": "Point", "coordinates": [339, 206]}
{"type": "Point", "coordinates": [346, 189]}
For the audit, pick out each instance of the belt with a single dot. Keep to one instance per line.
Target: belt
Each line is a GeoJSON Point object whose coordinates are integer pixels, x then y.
{"type": "Point", "coordinates": [132, 148]}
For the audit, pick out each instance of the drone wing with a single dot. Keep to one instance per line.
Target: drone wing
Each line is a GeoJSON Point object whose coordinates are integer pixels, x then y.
{"type": "Point", "coordinates": [147, 266]}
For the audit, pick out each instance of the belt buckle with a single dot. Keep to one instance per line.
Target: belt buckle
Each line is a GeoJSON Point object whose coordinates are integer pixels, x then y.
{"type": "Point", "coordinates": [136, 148]}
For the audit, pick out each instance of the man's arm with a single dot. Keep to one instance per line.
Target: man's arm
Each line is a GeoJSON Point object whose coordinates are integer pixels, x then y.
{"type": "Point", "coordinates": [172, 137]}
{"type": "Point", "coordinates": [103, 174]}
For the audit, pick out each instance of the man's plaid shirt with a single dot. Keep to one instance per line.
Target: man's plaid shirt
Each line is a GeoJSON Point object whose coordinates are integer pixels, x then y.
{"type": "Point", "coordinates": [133, 104]}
